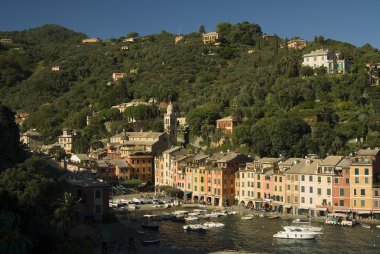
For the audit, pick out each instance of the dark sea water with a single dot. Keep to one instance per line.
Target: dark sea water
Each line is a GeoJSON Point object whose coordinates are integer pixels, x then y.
{"type": "Point", "coordinates": [256, 235]}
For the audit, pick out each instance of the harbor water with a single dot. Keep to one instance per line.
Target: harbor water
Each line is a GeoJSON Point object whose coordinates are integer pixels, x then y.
{"type": "Point", "coordinates": [256, 236]}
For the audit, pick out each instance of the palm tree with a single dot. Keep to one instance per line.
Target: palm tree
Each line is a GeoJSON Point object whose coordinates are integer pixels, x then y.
{"type": "Point", "coordinates": [11, 240]}
{"type": "Point", "coordinates": [65, 215]}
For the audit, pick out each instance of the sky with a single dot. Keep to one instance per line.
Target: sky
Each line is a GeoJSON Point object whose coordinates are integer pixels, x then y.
{"type": "Point", "coordinates": [353, 21]}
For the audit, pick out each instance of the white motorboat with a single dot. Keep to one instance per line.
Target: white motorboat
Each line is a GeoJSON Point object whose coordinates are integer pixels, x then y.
{"type": "Point", "coordinates": [378, 226]}
{"type": "Point", "coordinates": [195, 227]}
{"type": "Point", "coordinates": [304, 228]}
{"type": "Point", "coordinates": [296, 233]}
{"type": "Point", "coordinates": [191, 218]}
{"type": "Point", "coordinates": [193, 214]}
{"type": "Point", "coordinates": [247, 217]}
{"type": "Point", "coordinates": [366, 226]}
{"type": "Point", "coordinates": [213, 225]}
{"type": "Point", "coordinates": [232, 213]}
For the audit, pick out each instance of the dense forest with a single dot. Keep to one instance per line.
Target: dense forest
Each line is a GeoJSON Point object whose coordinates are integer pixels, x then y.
{"type": "Point", "coordinates": [284, 108]}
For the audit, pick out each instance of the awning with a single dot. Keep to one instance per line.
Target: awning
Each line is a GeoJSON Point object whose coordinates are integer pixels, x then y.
{"type": "Point", "coordinates": [376, 211]}
{"type": "Point", "coordinates": [258, 200]}
{"type": "Point", "coordinates": [287, 206]}
{"type": "Point", "coordinates": [323, 209]}
{"type": "Point", "coordinates": [363, 212]}
{"type": "Point", "coordinates": [303, 208]}
{"type": "Point", "coordinates": [342, 211]}
{"type": "Point", "coordinates": [188, 192]}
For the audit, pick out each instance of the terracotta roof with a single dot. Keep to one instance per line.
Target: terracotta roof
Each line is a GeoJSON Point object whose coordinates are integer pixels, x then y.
{"type": "Point", "coordinates": [268, 160]}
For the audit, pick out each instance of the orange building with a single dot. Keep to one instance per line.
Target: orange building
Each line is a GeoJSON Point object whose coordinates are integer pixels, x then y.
{"type": "Point", "coordinates": [141, 163]}
{"type": "Point", "coordinates": [227, 124]}
{"type": "Point", "coordinates": [341, 186]}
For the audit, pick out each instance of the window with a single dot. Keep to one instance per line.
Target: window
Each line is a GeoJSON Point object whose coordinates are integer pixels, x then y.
{"type": "Point", "coordinates": [296, 178]}
{"type": "Point", "coordinates": [98, 194]}
{"type": "Point", "coordinates": [311, 189]}
{"type": "Point", "coordinates": [336, 180]}
{"type": "Point", "coordinates": [288, 186]}
{"type": "Point", "coordinates": [356, 171]}
{"type": "Point", "coordinates": [280, 179]}
{"type": "Point", "coordinates": [362, 203]}
{"type": "Point", "coordinates": [376, 203]}
{"type": "Point", "coordinates": [356, 179]}
{"type": "Point", "coordinates": [302, 178]}
{"type": "Point", "coordinates": [258, 185]}
{"type": "Point", "coordinates": [354, 202]}
{"type": "Point", "coordinates": [302, 199]}
{"type": "Point", "coordinates": [341, 192]}
{"type": "Point", "coordinates": [202, 188]}
{"type": "Point", "coordinates": [302, 188]}
{"type": "Point", "coordinates": [310, 178]}
{"type": "Point", "coordinates": [366, 180]}
{"type": "Point", "coordinates": [341, 202]}
{"type": "Point", "coordinates": [328, 192]}
{"type": "Point", "coordinates": [295, 199]}
{"type": "Point", "coordinates": [195, 179]}
{"type": "Point", "coordinates": [311, 200]}
{"type": "Point", "coordinates": [275, 188]}
{"type": "Point", "coordinates": [196, 188]}
{"type": "Point", "coordinates": [98, 209]}
{"type": "Point", "coordinates": [202, 179]}
{"type": "Point", "coordinates": [347, 180]}
{"type": "Point", "coordinates": [319, 191]}
{"type": "Point", "coordinates": [319, 179]}
{"type": "Point", "coordinates": [362, 192]}
{"type": "Point", "coordinates": [324, 202]}
{"type": "Point", "coordinates": [328, 179]}
{"type": "Point", "coordinates": [376, 192]}
{"type": "Point", "coordinates": [288, 199]}
{"type": "Point", "coordinates": [366, 171]}
{"type": "Point", "coordinates": [296, 187]}
{"type": "Point", "coordinates": [267, 185]}
{"type": "Point", "coordinates": [354, 191]}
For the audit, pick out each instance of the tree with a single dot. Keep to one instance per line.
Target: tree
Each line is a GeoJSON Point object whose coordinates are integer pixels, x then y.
{"type": "Point", "coordinates": [306, 71]}
{"type": "Point", "coordinates": [10, 150]}
{"type": "Point", "coordinates": [132, 35]}
{"type": "Point", "coordinates": [65, 215]}
{"type": "Point", "coordinates": [11, 240]}
{"type": "Point", "coordinates": [202, 29]}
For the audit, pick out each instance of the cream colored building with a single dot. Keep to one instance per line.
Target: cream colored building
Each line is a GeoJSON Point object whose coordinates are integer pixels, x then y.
{"type": "Point", "coordinates": [323, 58]}
{"type": "Point", "coordinates": [210, 38]}
{"type": "Point", "coordinates": [67, 138]}
{"type": "Point", "coordinates": [118, 75]}
{"type": "Point", "coordinates": [90, 40]}
{"type": "Point", "coordinates": [245, 186]}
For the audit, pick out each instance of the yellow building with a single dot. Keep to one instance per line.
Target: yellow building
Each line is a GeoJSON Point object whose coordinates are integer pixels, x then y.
{"type": "Point", "coordinates": [363, 169]}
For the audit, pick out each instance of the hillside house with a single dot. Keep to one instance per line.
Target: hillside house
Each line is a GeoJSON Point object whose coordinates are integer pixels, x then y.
{"type": "Point", "coordinates": [297, 44]}
{"type": "Point", "coordinates": [116, 76]}
{"type": "Point", "coordinates": [321, 57]}
{"type": "Point", "coordinates": [91, 40]}
{"type": "Point", "coordinates": [227, 124]}
{"type": "Point", "coordinates": [32, 139]}
{"type": "Point", "coordinates": [178, 38]}
{"type": "Point", "coordinates": [67, 138]}
{"type": "Point", "coordinates": [210, 38]}
{"type": "Point", "coordinates": [6, 41]}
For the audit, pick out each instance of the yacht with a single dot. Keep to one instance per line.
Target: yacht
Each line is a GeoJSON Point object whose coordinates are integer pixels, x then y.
{"type": "Point", "coordinates": [213, 225]}
{"type": "Point", "coordinates": [295, 233]}
{"type": "Point", "coordinates": [247, 217]}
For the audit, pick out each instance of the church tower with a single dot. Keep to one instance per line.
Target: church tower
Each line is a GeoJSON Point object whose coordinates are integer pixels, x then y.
{"type": "Point", "coordinates": [170, 125]}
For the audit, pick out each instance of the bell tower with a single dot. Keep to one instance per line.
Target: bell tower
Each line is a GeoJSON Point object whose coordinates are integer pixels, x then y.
{"type": "Point", "coordinates": [170, 125]}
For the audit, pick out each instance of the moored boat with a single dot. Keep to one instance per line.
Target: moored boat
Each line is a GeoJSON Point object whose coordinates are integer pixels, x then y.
{"type": "Point", "coordinates": [151, 225]}
{"type": "Point", "coordinates": [247, 217]}
{"type": "Point", "coordinates": [195, 227]}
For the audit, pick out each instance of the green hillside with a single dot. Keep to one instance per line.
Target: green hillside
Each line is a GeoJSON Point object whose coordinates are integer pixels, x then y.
{"type": "Point", "coordinates": [284, 108]}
